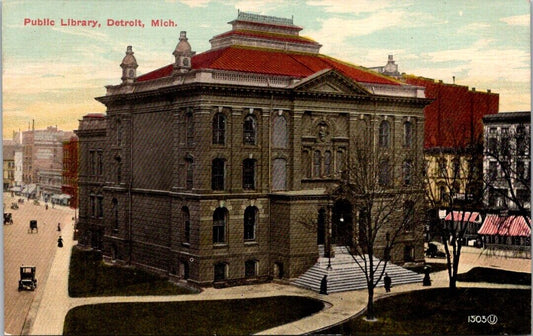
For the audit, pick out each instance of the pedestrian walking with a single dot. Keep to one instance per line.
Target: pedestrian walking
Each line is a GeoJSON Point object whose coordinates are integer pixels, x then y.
{"type": "Point", "coordinates": [59, 242]}
{"type": "Point", "coordinates": [324, 285]}
{"type": "Point", "coordinates": [388, 282]}
{"type": "Point", "coordinates": [59, 227]}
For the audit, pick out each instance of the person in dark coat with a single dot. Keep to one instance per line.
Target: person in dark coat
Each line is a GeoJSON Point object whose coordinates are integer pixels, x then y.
{"type": "Point", "coordinates": [324, 285]}
{"type": "Point", "coordinates": [59, 242]}
{"type": "Point", "coordinates": [388, 282]}
{"type": "Point", "coordinates": [59, 227]}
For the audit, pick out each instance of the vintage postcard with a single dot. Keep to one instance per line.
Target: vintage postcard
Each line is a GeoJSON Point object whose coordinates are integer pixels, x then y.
{"type": "Point", "coordinates": [204, 167]}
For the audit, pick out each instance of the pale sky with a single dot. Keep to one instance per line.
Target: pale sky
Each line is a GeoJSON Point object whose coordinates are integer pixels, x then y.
{"type": "Point", "coordinates": [52, 73]}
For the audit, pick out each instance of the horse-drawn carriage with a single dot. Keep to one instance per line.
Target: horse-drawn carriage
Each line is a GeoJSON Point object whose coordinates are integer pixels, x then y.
{"type": "Point", "coordinates": [27, 278]}
{"type": "Point", "coordinates": [33, 226]}
{"type": "Point", "coordinates": [8, 218]}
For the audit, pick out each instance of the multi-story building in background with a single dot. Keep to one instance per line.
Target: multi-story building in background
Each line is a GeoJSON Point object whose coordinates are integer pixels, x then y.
{"type": "Point", "coordinates": [69, 184]}
{"type": "Point", "coordinates": [204, 168]}
{"type": "Point", "coordinates": [11, 157]}
{"type": "Point", "coordinates": [507, 161]}
{"type": "Point", "coordinates": [43, 161]}
{"type": "Point", "coordinates": [453, 132]}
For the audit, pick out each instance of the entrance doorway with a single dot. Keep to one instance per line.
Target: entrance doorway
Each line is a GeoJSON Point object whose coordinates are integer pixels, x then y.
{"type": "Point", "coordinates": [342, 220]}
{"type": "Point", "coordinates": [321, 227]}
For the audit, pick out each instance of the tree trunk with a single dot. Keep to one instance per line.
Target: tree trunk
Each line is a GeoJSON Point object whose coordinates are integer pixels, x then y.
{"type": "Point", "coordinates": [370, 313]}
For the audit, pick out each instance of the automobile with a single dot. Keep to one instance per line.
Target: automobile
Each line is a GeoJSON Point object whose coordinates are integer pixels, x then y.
{"type": "Point", "coordinates": [433, 251]}
{"type": "Point", "coordinates": [27, 278]}
{"type": "Point", "coordinates": [33, 226]}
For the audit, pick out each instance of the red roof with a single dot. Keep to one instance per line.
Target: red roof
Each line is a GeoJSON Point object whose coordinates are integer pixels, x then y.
{"type": "Point", "coordinates": [463, 216]}
{"type": "Point", "coordinates": [454, 118]}
{"type": "Point", "coordinates": [272, 62]}
{"type": "Point", "coordinates": [514, 226]}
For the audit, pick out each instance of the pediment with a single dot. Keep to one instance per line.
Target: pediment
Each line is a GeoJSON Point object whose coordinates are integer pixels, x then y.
{"type": "Point", "coordinates": [330, 81]}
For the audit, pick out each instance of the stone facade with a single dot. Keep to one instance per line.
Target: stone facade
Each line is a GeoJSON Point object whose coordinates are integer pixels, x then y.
{"type": "Point", "coordinates": [217, 175]}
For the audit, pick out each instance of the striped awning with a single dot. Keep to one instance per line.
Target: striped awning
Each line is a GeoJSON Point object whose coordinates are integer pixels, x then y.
{"type": "Point", "coordinates": [514, 226]}
{"type": "Point", "coordinates": [463, 216]}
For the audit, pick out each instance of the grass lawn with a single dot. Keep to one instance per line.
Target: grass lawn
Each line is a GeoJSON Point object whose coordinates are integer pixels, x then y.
{"type": "Point", "coordinates": [228, 317]}
{"type": "Point", "coordinates": [483, 274]}
{"type": "Point", "coordinates": [89, 276]}
{"type": "Point", "coordinates": [437, 312]}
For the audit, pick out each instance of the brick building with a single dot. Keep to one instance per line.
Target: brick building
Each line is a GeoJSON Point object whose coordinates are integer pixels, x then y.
{"type": "Point", "coordinates": [70, 170]}
{"type": "Point", "coordinates": [203, 169]}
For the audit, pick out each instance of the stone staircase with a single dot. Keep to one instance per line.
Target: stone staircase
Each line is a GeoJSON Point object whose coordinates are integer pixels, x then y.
{"type": "Point", "coordinates": [346, 275]}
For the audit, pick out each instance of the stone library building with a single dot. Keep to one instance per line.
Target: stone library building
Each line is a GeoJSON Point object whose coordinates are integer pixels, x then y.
{"type": "Point", "coordinates": [217, 168]}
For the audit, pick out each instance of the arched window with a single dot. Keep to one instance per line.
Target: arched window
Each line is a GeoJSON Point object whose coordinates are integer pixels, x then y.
{"type": "Point", "coordinates": [279, 174]}
{"type": "Point", "coordinates": [249, 130]}
{"type": "Point", "coordinates": [384, 173]}
{"type": "Point", "coordinates": [250, 222]}
{"type": "Point", "coordinates": [219, 225]}
{"type": "Point", "coordinates": [384, 134]}
{"type": "Point", "coordinates": [407, 172]}
{"type": "Point", "coordinates": [217, 174]}
{"type": "Point", "coordinates": [189, 173]}
{"type": "Point", "coordinates": [317, 162]}
{"type": "Point", "coordinates": [279, 134]}
{"type": "Point", "coordinates": [327, 163]}
{"type": "Point", "coordinates": [186, 218]}
{"type": "Point", "coordinates": [219, 129]}
{"type": "Point", "coordinates": [248, 174]}
{"type": "Point", "coordinates": [250, 268]}
{"type": "Point", "coordinates": [408, 134]}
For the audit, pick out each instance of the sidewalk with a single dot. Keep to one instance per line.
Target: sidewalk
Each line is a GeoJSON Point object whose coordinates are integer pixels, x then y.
{"type": "Point", "coordinates": [56, 303]}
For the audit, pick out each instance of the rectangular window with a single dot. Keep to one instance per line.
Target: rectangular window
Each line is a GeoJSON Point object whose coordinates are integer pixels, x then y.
{"type": "Point", "coordinates": [248, 174]}
{"type": "Point", "coordinates": [100, 163]}
{"type": "Point", "coordinates": [189, 176]}
{"type": "Point", "coordinates": [92, 162]}
{"type": "Point", "coordinates": [217, 174]}
{"type": "Point", "coordinates": [92, 206]}
{"type": "Point", "coordinates": [190, 128]}
{"type": "Point", "coordinates": [218, 231]}
{"type": "Point", "coordinates": [100, 206]}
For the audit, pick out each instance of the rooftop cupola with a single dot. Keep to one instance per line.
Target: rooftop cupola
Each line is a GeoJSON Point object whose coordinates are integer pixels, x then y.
{"type": "Point", "coordinates": [183, 54]}
{"type": "Point", "coordinates": [129, 67]}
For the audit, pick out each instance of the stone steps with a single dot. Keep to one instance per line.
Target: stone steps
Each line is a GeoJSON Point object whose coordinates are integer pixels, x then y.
{"type": "Point", "coordinates": [346, 275]}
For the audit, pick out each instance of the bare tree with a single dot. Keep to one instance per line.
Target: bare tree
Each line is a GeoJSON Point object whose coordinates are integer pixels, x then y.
{"type": "Point", "coordinates": [507, 170]}
{"type": "Point", "coordinates": [384, 186]}
{"type": "Point", "coordinates": [454, 185]}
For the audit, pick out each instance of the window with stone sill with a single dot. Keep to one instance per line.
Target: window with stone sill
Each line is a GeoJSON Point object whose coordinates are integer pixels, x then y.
{"type": "Point", "coordinates": [408, 134]}
{"type": "Point", "coordinates": [219, 226]}
{"type": "Point", "coordinates": [250, 223]}
{"type": "Point", "coordinates": [384, 134]}
{"type": "Point", "coordinates": [249, 130]}
{"type": "Point", "coordinates": [217, 174]}
{"type": "Point", "coordinates": [250, 268]}
{"type": "Point", "coordinates": [219, 129]}
{"type": "Point", "coordinates": [248, 174]}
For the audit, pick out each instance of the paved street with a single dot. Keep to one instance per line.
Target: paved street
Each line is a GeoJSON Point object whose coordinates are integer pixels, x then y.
{"type": "Point", "coordinates": [45, 309]}
{"type": "Point", "coordinates": [23, 248]}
